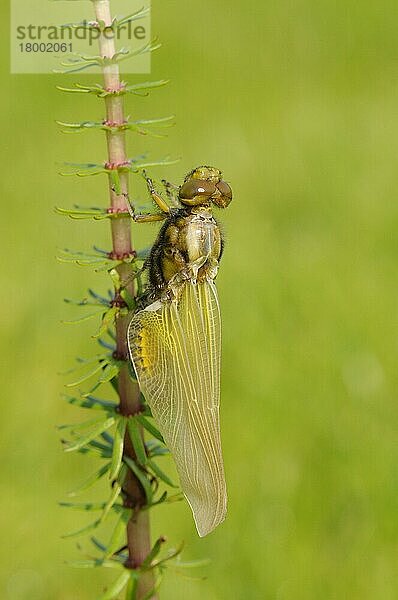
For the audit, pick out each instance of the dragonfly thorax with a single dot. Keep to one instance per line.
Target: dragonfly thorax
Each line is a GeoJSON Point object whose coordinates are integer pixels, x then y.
{"type": "Point", "coordinates": [188, 236]}
{"type": "Point", "coordinates": [202, 235]}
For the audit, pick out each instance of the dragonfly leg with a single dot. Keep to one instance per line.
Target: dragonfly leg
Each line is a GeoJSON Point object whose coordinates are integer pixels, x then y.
{"type": "Point", "coordinates": [148, 217]}
{"type": "Point", "coordinates": [144, 217]}
{"type": "Point", "coordinates": [157, 198]}
{"type": "Point", "coordinates": [171, 191]}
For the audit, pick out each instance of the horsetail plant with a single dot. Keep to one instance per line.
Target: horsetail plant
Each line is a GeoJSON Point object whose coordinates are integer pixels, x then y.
{"type": "Point", "coordinates": [122, 432]}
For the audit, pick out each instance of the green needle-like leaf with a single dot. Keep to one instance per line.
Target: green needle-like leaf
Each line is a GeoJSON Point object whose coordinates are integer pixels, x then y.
{"type": "Point", "coordinates": [106, 345]}
{"type": "Point", "coordinates": [107, 320]}
{"type": "Point", "coordinates": [91, 480]}
{"type": "Point", "coordinates": [129, 300]}
{"type": "Point", "coordinates": [84, 440]}
{"type": "Point", "coordinates": [149, 427]}
{"type": "Point", "coordinates": [93, 213]}
{"type": "Point", "coordinates": [190, 564]}
{"type": "Point", "coordinates": [78, 255]}
{"type": "Point", "coordinates": [118, 445]}
{"type": "Point", "coordinates": [79, 320]}
{"type": "Point", "coordinates": [118, 537]}
{"type": "Point", "coordinates": [131, 590]}
{"type": "Point", "coordinates": [98, 545]}
{"type": "Point", "coordinates": [170, 555]}
{"type": "Point", "coordinates": [136, 440]}
{"type": "Point", "coordinates": [98, 297]}
{"type": "Point", "coordinates": [95, 563]}
{"type": "Point", "coordinates": [93, 403]}
{"type": "Point", "coordinates": [154, 448]}
{"type": "Point", "coordinates": [142, 89]}
{"type": "Point", "coordinates": [141, 476]}
{"type": "Point", "coordinates": [153, 553]}
{"type": "Point", "coordinates": [115, 589]}
{"type": "Point", "coordinates": [139, 14]}
{"type": "Point", "coordinates": [162, 499]}
{"type": "Point", "coordinates": [138, 166]}
{"type": "Point", "coordinates": [117, 488]}
{"type": "Point", "coordinates": [85, 506]}
{"type": "Point", "coordinates": [109, 373]}
{"type": "Point", "coordinates": [108, 438]}
{"type": "Point", "coordinates": [139, 89]}
{"type": "Point", "coordinates": [73, 427]}
{"type": "Point", "coordinates": [88, 375]}
{"type": "Point", "coordinates": [103, 450]}
{"type": "Point", "coordinates": [83, 531]}
{"type": "Point", "coordinates": [159, 473]}
{"type": "Point", "coordinates": [117, 282]}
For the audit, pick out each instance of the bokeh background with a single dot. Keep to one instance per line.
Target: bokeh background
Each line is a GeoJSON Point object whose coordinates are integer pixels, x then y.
{"type": "Point", "coordinates": [297, 102]}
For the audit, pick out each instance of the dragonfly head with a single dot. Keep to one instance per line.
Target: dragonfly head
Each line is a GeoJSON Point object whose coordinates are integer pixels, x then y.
{"type": "Point", "coordinates": [204, 185]}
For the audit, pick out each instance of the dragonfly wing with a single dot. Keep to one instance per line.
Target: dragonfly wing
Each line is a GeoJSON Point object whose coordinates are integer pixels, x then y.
{"type": "Point", "coordinates": [175, 348]}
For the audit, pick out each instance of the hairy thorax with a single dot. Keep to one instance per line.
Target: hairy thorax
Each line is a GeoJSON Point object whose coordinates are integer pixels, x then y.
{"type": "Point", "coordinates": [185, 240]}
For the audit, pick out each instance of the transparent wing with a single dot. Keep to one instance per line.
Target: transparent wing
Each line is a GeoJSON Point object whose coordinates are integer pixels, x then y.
{"type": "Point", "coordinates": [175, 349]}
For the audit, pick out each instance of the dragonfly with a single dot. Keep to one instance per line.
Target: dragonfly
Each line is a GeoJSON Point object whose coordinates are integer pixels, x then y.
{"type": "Point", "coordinates": [175, 340]}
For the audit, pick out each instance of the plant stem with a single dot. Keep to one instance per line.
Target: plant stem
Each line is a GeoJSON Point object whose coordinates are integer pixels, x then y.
{"type": "Point", "coordinates": [138, 531]}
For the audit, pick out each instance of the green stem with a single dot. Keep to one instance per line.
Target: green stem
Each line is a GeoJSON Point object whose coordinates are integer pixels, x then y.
{"type": "Point", "coordinates": [138, 530]}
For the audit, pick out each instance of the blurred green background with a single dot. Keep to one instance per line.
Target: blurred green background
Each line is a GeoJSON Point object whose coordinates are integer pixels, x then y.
{"type": "Point", "coordinates": [297, 102]}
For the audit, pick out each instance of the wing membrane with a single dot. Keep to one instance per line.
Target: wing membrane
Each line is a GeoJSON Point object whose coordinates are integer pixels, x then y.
{"type": "Point", "coordinates": [175, 348]}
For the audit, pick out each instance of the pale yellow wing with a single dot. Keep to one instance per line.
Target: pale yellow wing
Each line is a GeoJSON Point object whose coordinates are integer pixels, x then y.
{"type": "Point", "coordinates": [175, 349]}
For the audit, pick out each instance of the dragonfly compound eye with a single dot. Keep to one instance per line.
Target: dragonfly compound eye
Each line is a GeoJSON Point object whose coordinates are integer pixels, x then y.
{"type": "Point", "coordinates": [194, 191]}
{"type": "Point", "coordinates": [225, 195]}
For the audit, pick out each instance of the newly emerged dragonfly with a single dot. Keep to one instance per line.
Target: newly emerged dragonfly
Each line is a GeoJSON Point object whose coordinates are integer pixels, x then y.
{"type": "Point", "coordinates": [175, 340]}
